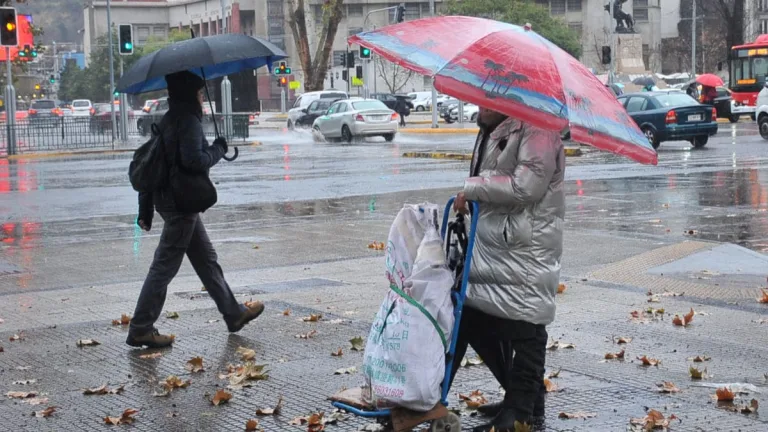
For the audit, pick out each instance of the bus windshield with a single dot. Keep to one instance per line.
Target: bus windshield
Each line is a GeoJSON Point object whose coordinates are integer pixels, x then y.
{"type": "Point", "coordinates": [749, 72]}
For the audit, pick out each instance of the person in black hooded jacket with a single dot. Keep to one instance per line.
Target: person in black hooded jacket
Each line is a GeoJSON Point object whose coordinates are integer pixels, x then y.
{"type": "Point", "coordinates": [183, 233]}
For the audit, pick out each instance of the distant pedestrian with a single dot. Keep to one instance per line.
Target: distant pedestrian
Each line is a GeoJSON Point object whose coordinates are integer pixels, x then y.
{"type": "Point", "coordinates": [402, 110]}
{"type": "Point", "coordinates": [708, 95]}
{"type": "Point", "coordinates": [183, 233]}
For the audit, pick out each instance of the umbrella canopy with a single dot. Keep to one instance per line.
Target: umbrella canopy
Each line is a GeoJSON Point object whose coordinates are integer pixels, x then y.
{"type": "Point", "coordinates": [710, 80]}
{"type": "Point", "coordinates": [513, 71]}
{"type": "Point", "coordinates": [644, 81]}
{"type": "Point", "coordinates": [217, 56]}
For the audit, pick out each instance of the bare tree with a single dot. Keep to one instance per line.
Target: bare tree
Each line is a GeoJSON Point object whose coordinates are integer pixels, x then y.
{"type": "Point", "coordinates": [395, 77]}
{"type": "Point", "coordinates": [314, 67]}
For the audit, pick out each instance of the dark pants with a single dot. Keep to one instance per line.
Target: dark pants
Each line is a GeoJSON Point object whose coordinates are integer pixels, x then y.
{"type": "Point", "coordinates": [402, 120]}
{"type": "Point", "coordinates": [514, 351]}
{"type": "Point", "coordinates": [182, 234]}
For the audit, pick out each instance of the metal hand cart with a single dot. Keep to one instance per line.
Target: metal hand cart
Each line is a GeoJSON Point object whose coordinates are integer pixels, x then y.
{"type": "Point", "coordinates": [459, 244]}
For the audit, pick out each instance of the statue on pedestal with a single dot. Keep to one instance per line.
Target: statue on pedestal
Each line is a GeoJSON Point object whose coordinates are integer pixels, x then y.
{"type": "Point", "coordinates": [624, 21]}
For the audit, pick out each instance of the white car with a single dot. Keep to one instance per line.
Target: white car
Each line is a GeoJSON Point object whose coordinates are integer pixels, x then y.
{"type": "Point", "coordinates": [349, 119]}
{"type": "Point", "coordinates": [305, 99]}
{"type": "Point", "coordinates": [82, 108]}
{"type": "Point", "coordinates": [761, 112]}
{"type": "Point", "coordinates": [421, 100]}
{"type": "Point", "coordinates": [470, 112]}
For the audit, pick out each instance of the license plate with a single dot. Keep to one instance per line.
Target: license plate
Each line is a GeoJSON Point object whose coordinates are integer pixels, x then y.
{"type": "Point", "coordinates": [378, 118]}
{"type": "Point", "coordinates": [694, 117]}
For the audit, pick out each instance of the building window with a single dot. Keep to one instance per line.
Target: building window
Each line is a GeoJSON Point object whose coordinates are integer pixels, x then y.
{"type": "Point", "coordinates": [640, 10]}
{"type": "Point", "coordinates": [574, 5]}
{"type": "Point", "coordinates": [646, 55]}
{"type": "Point", "coordinates": [355, 10]}
{"type": "Point", "coordinates": [576, 28]}
{"type": "Point", "coordinates": [762, 5]}
{"type": "Point", "coordinates": [557, 7]}
{"type": "Point", "coordinates": [354, 30]}
{"type": "Point", "coordinates": [763, 26]}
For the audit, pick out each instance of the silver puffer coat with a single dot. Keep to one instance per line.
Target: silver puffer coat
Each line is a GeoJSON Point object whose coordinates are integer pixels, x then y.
{"type": "Point", "coordinates": [519, 242]}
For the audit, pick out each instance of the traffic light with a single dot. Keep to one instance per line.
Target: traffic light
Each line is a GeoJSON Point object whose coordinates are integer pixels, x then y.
{"type": "Point", "coordinates": [350, 59]}
{"type": "Point", "coordinates": [37, 87]}
{"type": "Point", "coordinates": [9, 31]}
{"type": "Point", "coordinates": [33, 52]}
{"type": "Point", "coordinates": [345, 75]}
{"type": "Point", "coordinates": [282, 82]}
{"type": "Point", "coordinates": [400, 13]}
{"type": "Point", "coordinates": [52, 79]}
{"type": "Point", "coordinates": [359, 72]}
{"type": "Point", "coordinates": [24, 52]}
{"type": "Point", "coordinates": [365, 53]}
{"type": "Point", "coordinates": [125, 39]}
{"type": "Point", "coordinates": [606, 54]}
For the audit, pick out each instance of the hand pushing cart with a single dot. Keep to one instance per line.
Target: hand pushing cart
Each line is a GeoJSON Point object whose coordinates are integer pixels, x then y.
{"type": "Point", "coordinates": [459, 244]}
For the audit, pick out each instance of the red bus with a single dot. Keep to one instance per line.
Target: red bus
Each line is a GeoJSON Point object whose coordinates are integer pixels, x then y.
{"type": "Point", "coordinates": [748, 72]}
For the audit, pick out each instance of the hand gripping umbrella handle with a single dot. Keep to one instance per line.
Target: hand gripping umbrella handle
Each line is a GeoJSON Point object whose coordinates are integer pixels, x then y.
{"type": "Point", "coordinates": [230, 159]}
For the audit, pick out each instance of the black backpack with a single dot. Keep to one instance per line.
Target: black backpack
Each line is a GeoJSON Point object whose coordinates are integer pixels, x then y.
{"type": "Point", "coordinates": [148, 170]}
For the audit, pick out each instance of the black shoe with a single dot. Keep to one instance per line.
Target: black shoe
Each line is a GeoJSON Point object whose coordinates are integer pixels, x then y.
{"type": "Point", "coordinates": [151, 339]}
{"type": "Point", "coordinates": [489, 409]}
{"type": "Point", "coordinates": [249, 314]}
{"type": "Point", "coordinates": [503, 422]}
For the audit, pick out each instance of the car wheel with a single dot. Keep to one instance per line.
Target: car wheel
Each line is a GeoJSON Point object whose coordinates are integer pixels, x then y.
{"type": "Point", "coordinates": [733, 118]}
{"type": "Point", "coordinates": [389, 137]}
{"type": "Point", "coordinates": [699, 141]}
{"type": "Point", "coordinates": [289, 125]}
{"type": "Point", "coordinates": [419, 108]}
{"type": "Point", "coordinates": [346, 134]}
{"type": "Point", "coordinates": [652, 138]}
{"type": "Point", "coordinates": [762, 124]}
{"type": "Point", "coordinates": [448, 120]}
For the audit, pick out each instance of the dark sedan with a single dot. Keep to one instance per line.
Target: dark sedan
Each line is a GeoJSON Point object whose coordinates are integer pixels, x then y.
{"type": "Point", "coordinates": [671, 116]}
{"type": "Point", "coordinates": [313, 111]}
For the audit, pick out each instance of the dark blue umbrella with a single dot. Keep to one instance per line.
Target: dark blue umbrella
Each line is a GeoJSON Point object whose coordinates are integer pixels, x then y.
{"type": "Point", "coordinates": [209, 57]}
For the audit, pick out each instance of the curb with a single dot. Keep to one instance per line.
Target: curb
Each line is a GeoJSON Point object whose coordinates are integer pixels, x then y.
{"type": "Point", "coordinates": [422, 122]}
{"type": "Point", "coordinates": [472, 131]}
{"type": "Point", "coordinates": [569, 151]}
{"type": "Point", "coordinates": [741, 120]}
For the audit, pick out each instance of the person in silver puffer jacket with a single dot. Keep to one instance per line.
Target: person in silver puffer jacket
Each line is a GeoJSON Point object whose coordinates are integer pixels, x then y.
{"type": "Point", "coordinates": [517, 175]}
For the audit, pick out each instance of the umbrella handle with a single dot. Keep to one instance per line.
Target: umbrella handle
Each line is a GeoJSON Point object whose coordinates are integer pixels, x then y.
{"type": "Point", "coordinates": [230, 159]}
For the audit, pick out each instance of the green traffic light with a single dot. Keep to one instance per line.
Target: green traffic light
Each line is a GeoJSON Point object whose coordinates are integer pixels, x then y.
{"type": "Point", "coordinates": [277, 71]}
{"type": "Point", "coordinates": [128, 45]}
{"type": "Point", "coordinates": [34, 53]}
{"type": "Point", "coordinates": [366, 51]}
{"type": "Point", "coordinates": [287, 71]}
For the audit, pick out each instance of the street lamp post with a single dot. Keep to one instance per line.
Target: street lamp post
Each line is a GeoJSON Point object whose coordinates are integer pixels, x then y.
{"type": "Point", "coordinates": [111, 71]}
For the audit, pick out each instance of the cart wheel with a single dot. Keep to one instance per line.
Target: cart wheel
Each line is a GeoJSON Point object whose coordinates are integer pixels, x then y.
{"type": "Point", "coordinates": [449, 423]}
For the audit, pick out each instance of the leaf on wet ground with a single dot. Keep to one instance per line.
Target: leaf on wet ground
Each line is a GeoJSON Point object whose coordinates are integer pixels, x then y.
{"type": "Point", "coordinates": [474, 361]}
{"type": "Point", "coordinates": [647, 361]}
{"type": "Point", "coordinates": [764, 298]}
{"type": "Point", "coordinates": [653, 299]}
{"type": "Point", "coordinates": [554, 374]}
{"type": "Point", "coordinates": [555, 344]}
{"type": "Point", "coordinates": [685, 320]}
{"type": "Point", "coordinates": [124, 320]}
{"type": "Point", "coordinates": [309, 335]}
{"type": "Point", "coordinates": [246, 354]}
{"type": "Point", "coordinates": [21, 394]}
{"type": "Point", "coordinates": [724, 394]}
{"type": "Point", "coordinates": [474, 399]}
{"type": "Point", "coordinates": [153, 355]}
{"type": "Point", "coordinates": [358, 343]}
{"type": "Point", "coordinates": [750, 408]}
{"type": "Point", "coordinates": [287, 312]}
{"type": "Point", "coordinates": [271, 411]}
{"type": "Point", "coordinates": [653, 420]}
{"type": "Point", "coordinates": [252, 425]}
{"type": "Point", "coordinates": [561, 288]}
{"type": "Point", "coordinates": [667, 387]}
{"type": "Point", "coordinates": [576, 415]}
{"type": "Point", "coordinates": [239, 375]}
{"type": "Point", "coordinates": [102, 390]}
{"type": "Point", "coordinates": [615, 356]}
{"type": "Point", "coordinates": [174, 382]}
{"type": "Point", "coordinates": [87, 342]}
{"type": "Point", "coordinates": [700, 359]}
{"type": "Point", "coordinates": [25, 382]}
{"type": "Point", "coordinates": [550, 386]}
{"type": "Point", "coordinates": [338, 353]}
{"type": "Point", "coordinates": [125, 418]}
{"type": "Point", "coordinates": [379, 246]}
{"type": "Point", "coordinates": [221, 397]}
{"type": "Point", "coordinates": [672, 294]}
{"type": "Point", "coordinates": [346, 371]}
{"type": "Point", "coordinates": [313, 318]}
{"type": "Point", "coordinates": [697, 373]}
{"type": "Point", "coordinates": [622, 340]}
{"type": "Point", "coordinates": [36, 401]}
{"type": "Point", "coordinates": [17, 337]}
{"type": "Point", "coordinates": [195, 364]}
{"type": "Point", "coordinates": [46, 412]}
{"type": "Point", "coordinates": [171, 315]}
{"type": "Point", "coordinates": [255, 247]}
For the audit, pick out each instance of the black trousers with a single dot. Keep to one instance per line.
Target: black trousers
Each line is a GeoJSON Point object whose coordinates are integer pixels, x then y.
{"type": "Point", "coordinates": [183, 234]}
{"type": "Point", "coordinates": [514, 351]}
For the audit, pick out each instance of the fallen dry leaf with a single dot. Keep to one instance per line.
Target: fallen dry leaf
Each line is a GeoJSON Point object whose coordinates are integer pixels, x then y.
{"type": "Point", "coordinates": [174, 382]}
{"type": "Point", "coordinates": [46, 412]}
{"type": "Point", "coordinates": [549, 386]}
{"type": "Point", "coordinates": [36, 401]}
{"type": "Point", "coordinates": [171, 315]}
{"type": "Point", "coordinates": [474, 361]}
{"type": "Point", "coordinates": [615, 356]}
{"type": "Point", "coordinates": [653, 299]}
{"type": "Point", "coordinates": [576, 415]}
{"type": "Point", "coordinates": [376, 246]}
{"type": "Point", "coordinates": [671, 294]}
{"type": "Point", "coordinates": [287, 312]}
{"type": "Point", "coordinates": [16, 337]}
{"type": "Point", "coordinates": [246, 354]}
{"type": "Point", "coordinates": [221, 397]}
{"type": "Point", "coordinates": [696, 373]}
{"type": "Point", "coordinates": [125, 418]}
{"type": "Point", "coordinates": [151, 356]}
{"type": "Point", "coordinates": [338, 353]}
{"type": "Point", "coordinates": [724, 394]}
{"type": "Point", "coordinates": [25, 382]}
{"type": "Point", "coordinates": [103, 390]}
{"type": "Point", "coordinates": [561, 288]}
{"type": "Point", "coordinates": [474, 399]}
{"type": "Point", "coordinates": [749, 409]}
{"type": "Point", "coordinates": [315, 423]}
{"type": "Point", "coordinates": [123, 321]}
{"type": "Point", "coordinates": [556, 344]}
{"type": "Point", "coordinates": [239, 375]}
{"type": "Point", "coordinates": [271, 411]}
{"type": "Point", "coordinates": [554, 374]}
{"type": "Point", "coordinates": [699, 359]}
{"type": "Point", "coordinates": [667, 387]}
{"type": "Point", "coordinates": [357, 343]}
{"type": "Point", "coordinates": [21, 394]}
{"type": "Point", "coordinates": [764, 298]}
{"type": "Point", "coordinates": [309, 335]}
{"type": "Point", "coordinates": [195, 364]}
{"type": "Point", "coordinates": [87, 342]}
{"type": "Point", "coordinates": [623, 340]}
{"type": "Point", "coordinates": [252, 425]}
{"type": "Point", "coordinates": [346, 371]}
{"type": "Point", "coordinates": [647, 361]}
{"type": "Point", "coordinates": [653, 420]}
{"type": "Point", "coordinates": [313, 318]}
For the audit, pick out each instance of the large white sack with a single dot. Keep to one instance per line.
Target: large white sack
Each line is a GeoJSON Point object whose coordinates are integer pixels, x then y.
{"type": "Point", "coordinates": [404, 361]}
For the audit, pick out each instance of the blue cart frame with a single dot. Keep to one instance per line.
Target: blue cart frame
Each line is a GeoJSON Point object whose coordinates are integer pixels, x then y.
{"type": "Point", "coordinates": [458, 301]}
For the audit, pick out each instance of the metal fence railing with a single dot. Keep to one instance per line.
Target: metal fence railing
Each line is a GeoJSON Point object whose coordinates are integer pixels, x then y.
{"type": "Point", "coordinates": [68, 133]}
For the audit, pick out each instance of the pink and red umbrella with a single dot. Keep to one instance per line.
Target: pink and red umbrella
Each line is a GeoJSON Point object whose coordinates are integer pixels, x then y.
{"type": "Point", "coordinates": [516, 72]}
{"type": "Point", "coordinates": [709, 80]}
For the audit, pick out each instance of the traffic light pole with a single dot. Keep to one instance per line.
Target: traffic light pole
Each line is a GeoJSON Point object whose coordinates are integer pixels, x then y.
{"type": "Point", "coordinates": [123, 110]}
{"type": "Point", "coordinates": [10, 104]}
{"type": "Point", "coordinates": [367, 63]}
{"type": "Point", "coordinates": [111, 71]}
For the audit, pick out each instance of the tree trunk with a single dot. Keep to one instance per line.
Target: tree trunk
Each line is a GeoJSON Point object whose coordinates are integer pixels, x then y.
{"type": "Point", "coordinates": [314, 68]}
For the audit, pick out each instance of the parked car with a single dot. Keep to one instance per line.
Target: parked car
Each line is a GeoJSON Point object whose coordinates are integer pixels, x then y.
{"type": "Point", "coordinates": [470, 112]}
{"type": "Point", "coordinates": [101, 120]}
{"type": "Point", "coordinates": [671, 116]}
{"type": "Point", "coordinates": [350, 119]}
{"type": "Point", "coordinates": [82, 108]}
{"type": "Point", "coordinates": [305, 99]}
{"type": "Point", "coordinates": [445, 110]}
{"type": "Point", "coordinates": [156, 112]}
{"type": "Point", "coordinates": [45, 112]}
{"type": "Point", "coordinates": [313, 111]}
{"type": "Point", "coordinates": [421, 101]}
{"type": "Point", "coordinates": [761, 112]}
